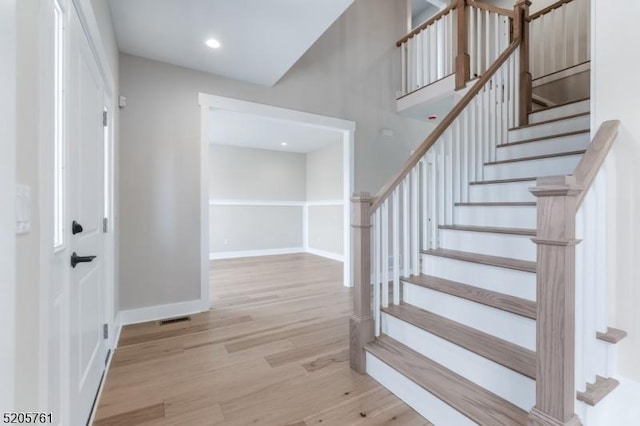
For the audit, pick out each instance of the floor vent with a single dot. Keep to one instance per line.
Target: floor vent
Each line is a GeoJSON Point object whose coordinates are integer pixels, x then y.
{"type": "Point", "coordinates": [174, 320]}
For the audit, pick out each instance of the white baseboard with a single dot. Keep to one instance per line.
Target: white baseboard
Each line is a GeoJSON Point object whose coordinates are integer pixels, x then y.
{"type": "Point", "coordinates": [117, 324]}
{"type": "Point", "coordinates": [254, 253]}
{"type": "Point", "coordinates": [328, 255]}
{"type": "Point", "coordinates": [154, 313]}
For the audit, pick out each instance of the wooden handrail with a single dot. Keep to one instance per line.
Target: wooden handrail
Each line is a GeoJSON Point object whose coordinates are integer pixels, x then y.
{"type": "Point", "coordinates": [592, 160]}
{"type": "Point", "coordinates": [549, 9]}
{"type": "Point", "coordinates": [440, 128]}
{"type": "Point", "coordinates": [427, 23]}
{"type": "Point", "coordinates": [491, 8]}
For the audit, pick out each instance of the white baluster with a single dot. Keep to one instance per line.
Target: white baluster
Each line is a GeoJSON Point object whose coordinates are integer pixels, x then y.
{"type": "Point", "coordinates": [479, 38]}
{"type": "Point", "coordinates": [384, 262]}
{"type": "Point", "coordinates": [395, 203]}
{"type": "Point", "coordinates": [424, 213]}
{"type": "Point", "coordinates": [419, 59]}
{"type": "Point", "coordinates": [405, 227]}
{"type": "Point", "coordinates": [433, 57]}
{"type": "Point", "coordinates": [415, 252]}
{"type": "Point", "coordinates": [403, 61]}
{"type": "Point", "coordinates": [376, 268]}
{"type": "Point", "coordinates": [516, 101]}
{"type": "Point", "coordinates": [433, 199]}
{"type": "Point", "coordinates": [471, 42]}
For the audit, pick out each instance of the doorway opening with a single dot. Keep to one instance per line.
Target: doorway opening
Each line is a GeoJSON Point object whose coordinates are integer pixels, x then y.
{"type": "Point", "coordinates": [299, 196]}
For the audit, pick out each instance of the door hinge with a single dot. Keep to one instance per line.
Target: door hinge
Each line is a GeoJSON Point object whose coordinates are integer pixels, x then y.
{"type": "Point", "coordinates": [105, 225]}
{"type": "Point", "coordinates": [104, 118]}
{"type": "Point", "coordinates": [105, 331]}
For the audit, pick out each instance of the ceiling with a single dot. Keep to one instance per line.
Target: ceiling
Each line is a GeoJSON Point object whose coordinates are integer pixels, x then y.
{"type": "Point", "coordinates": [252, 131]}
{"type": "Point", "coordinates": [261, 40]}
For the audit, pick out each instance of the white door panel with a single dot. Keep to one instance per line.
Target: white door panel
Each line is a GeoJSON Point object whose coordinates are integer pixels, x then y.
{"type": "Point", "coordinates": [86, 197]}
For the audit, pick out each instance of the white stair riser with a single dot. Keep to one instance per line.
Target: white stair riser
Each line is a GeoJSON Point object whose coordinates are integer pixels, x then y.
{"type": "Point", "coordinates": [548, 129]}
{"type": "Point", "coordinates": [425, 403]}
{"type": "Point", "coordinates": [506, 383]}
{"type": "Point", "coordinates": [562, 111]}
{"type": "Point", "coordinates": [503, 216]}
{"type": "Point", "coordinates": [505, 325]}
{"type": "Point", "coordinates": [553, 166]}
{"type": "Point", "coordinates": [544, 146]}
{"type": "Point", "coordinates": [502, 280]}
{"type": "Point", "coordinates": [502, 192]}
{"type": "Point", "coordinates": [494, 244]}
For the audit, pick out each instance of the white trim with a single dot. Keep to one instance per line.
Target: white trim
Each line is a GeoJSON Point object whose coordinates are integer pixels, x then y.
{"type": "Point", "coordinates": [328, 255]}
{"type": "Point", "coordinates": [254, 253]}
{"type": "Point", "coordinates": [7, 201]}
{"type": "Point", "coordinates": [205, 292]}
{"type": "Point", "coordinates": [208, 102]}
{"type": "Point", "coordinates": [158, 312]}
{"type": "Point", "coordinates": [559, 75]}
{"type": "Point", "coordinates": [229, 202]}
{"type": "Point", "coordinates": [117, 325]}
{"type": "Point", "coordinates": [274, 203]}
{"type": "Point", "coordinates": [325, 203]}
{"type": "Point", "coordinates": [230, 104]}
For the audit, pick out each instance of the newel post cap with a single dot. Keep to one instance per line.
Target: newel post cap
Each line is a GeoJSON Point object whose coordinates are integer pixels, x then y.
{"type": "Point", "coordinates": [556, 186]}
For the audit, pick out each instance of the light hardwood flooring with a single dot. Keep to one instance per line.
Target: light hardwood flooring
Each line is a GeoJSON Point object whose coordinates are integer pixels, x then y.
{"type": "Point", "coordinates": [272, 351]}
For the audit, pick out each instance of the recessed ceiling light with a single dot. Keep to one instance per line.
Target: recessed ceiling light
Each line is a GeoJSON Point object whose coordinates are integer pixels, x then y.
{"type": "Point", "coordinates": [283, 143]}
{"type": "Point", "coordinates": [213, 43]}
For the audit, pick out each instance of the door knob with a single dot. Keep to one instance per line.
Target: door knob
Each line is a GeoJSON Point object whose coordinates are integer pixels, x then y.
{"type": "Point", "coordinates": [75, 259]}
{"type": "Point", "coordinates": [76, 228]}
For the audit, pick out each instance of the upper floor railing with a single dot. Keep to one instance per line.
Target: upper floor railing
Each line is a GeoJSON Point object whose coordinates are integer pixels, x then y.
{"type": "Point", "coordinates": [561, 34]}
{"type": "Point", "coordinates": [463, 39]}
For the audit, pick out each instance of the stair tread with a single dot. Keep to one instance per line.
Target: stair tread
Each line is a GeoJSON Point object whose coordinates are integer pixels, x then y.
{"type": "Point", "coordinates": [552, 120]}
{"type": "Point", "coordinates": [494, 181]}
{"type": "Point", "coordinates": [598, 390]}
{"type": "Point", "coordinates": [491, 229]}
{"type": "Point", "coordinates": [575, 101]}
{"type": "Point", "coordinates": [497, 203]}
{"type": "Point", "coordinates": [485, 259]}
{"type": "Point", "coordinates": [514, 357]}
{"type": "Point", "coordinates": [541, 138]}
{"type": "Point", "coordinates": [473, 401]}
{"type": "Point", "coordinates": [505, 302]}
{"type": "Point", "coordinates": [536, 157]}
{"type": "Point", "coordinates": [613, 335]}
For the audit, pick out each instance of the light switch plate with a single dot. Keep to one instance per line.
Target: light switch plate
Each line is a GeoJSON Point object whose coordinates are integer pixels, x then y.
{"type": "Point", "coordinates": [23, 209]}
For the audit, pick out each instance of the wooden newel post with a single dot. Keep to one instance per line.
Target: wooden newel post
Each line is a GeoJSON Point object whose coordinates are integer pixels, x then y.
{"type": "Point", "coordinates": [361, 322]}
{"type": "Point", "coordinates": [555, 350]}
{"type": "Point", "coordinates": [463, 63]}
{"type": "Point", "coordinates": [521, 30]}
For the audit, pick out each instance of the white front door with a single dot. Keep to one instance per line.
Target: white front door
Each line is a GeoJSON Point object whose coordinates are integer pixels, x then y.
{"type": "Point", "coordinates": [85, 212]}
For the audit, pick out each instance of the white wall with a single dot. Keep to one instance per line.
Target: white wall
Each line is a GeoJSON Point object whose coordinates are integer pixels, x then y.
{"type": "Point", "coordinates": [253, 178]}
{"type": "Point", "coordinates": [7, 212]}
{"type": "Point", "coordinates": [27, 173]}
{"type": "Point", "coordinates": [615, 95]}
{"type": "Point", "coordinates": [351, 72]}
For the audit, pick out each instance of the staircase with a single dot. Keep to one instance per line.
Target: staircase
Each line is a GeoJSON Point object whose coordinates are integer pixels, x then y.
{"type": "Point", "coordinates": [460, 347]}
{"type": "Point", "coordinates": [486, 253]}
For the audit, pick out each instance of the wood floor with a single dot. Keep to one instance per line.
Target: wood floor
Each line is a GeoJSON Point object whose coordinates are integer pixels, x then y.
{"type": "Point", "coordinates": [273, 351]}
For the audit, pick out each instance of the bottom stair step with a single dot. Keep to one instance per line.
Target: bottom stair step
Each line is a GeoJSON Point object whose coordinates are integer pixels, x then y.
{"type": "Point", "coordinates": [475, 402]}
{"type": "Point", "coordinates": [598, 390]}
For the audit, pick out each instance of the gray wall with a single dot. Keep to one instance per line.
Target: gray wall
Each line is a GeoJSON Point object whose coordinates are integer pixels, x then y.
{"type": "Point", "coordinates": [324, 173]}
{"type": "Point", "coordinates": [250, 175]}
{"type": "Point", "coordinates": [256, 174]}
{"type": "Point", "coordinates": [325, 182]}
{"type": "Point", "coordinates": [351, 72]}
